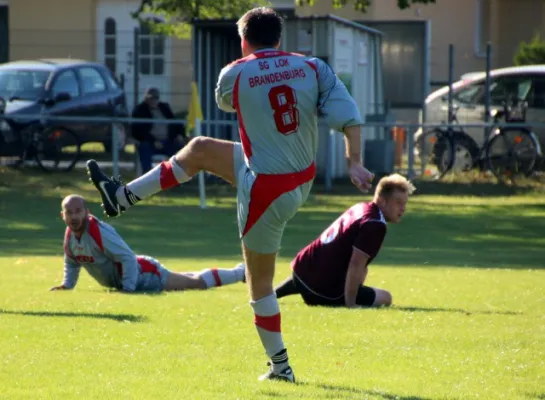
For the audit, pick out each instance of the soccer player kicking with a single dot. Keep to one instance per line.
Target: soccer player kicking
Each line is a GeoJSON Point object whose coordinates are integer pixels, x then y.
{"type": "Point", "coordinates": [331, 270]}
{"type": "Point", "coordinates": [97, 247]}
{"type": "Point", "coordinates": [277, 97]}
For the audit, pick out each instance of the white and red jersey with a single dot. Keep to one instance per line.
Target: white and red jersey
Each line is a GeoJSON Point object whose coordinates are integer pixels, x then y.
{"type": "Point", "coordinates": [276, 96]}
{"type": "Point", "coordinates": [105, 256]}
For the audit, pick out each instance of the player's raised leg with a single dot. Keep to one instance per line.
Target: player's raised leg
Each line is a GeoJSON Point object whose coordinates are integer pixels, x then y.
{"type": "Point", "coordinates": [201, 153]}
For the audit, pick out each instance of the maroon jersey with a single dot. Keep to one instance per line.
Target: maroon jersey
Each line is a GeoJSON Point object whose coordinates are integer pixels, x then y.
{"type": "Point", "coordinates": [323, 264]}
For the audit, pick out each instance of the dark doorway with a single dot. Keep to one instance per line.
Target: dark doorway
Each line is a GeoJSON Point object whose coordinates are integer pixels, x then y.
{"type": "Point", "coordinates": [4, 35]}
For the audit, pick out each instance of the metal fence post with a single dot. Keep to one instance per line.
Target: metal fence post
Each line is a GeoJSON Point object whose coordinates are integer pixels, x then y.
{"type": "Point", "coordinates": [328, 170]}
{"type": "Point", "coordinates": [136, 68]}
{"type": "Point", "coordinates": [450, 81]}
{"type": "Point", "coordinates": [115, 150]}
{"type": "Point", "coordinates": [410, 147]}
{"type": "Point", "coordinates": [202, 190]}
{"type": "Point", "coordinates": [487, 90]}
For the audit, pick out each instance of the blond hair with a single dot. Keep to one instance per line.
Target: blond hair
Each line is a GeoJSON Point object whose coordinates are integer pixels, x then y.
{"type": "Point", "coordinates": [391, 183]}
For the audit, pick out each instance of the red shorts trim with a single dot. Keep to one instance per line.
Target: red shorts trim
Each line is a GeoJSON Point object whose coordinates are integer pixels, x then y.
{"type": "Point", "coordinates": [147, 267]}
{"type": "Point", "coordinates": [268, 187]}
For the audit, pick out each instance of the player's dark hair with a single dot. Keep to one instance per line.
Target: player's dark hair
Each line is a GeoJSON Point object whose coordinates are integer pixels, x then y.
{"type": "Point", "coordinates": [261, 27]}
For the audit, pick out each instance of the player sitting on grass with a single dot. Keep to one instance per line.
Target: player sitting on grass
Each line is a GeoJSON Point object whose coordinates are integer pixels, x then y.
{"type": "Point", "coordinates": [97, 247]}
{"type": "Point", "coordinates": [332, 269]}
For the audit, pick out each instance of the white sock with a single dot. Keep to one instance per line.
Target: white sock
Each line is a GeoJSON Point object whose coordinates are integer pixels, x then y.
{"type": "Point", "coordinates": [164, 176]}
{"type": "Point", "coordinates": [268, 323]}
{"type": "Point", "coordinates": [220, 277]}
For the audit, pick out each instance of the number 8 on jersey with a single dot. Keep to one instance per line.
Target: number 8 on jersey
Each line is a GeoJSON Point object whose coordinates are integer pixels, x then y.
{"type": "Point", "coordinates": [284, 104]}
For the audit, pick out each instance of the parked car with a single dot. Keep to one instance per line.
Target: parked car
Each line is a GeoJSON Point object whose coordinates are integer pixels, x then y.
{"type": "Point", "coordinates": [62, 87]}
{"type": "Point", "coordinates": [526, 83]}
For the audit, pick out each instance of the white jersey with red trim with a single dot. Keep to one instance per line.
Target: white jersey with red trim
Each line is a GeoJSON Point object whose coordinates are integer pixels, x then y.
{"type": "Point", "coordinates": [277, 97]}
{"type": "Point", "coordinates": [103, 253]}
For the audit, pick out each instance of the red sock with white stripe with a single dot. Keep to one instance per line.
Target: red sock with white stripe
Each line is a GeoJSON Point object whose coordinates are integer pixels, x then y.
{"type": "Point", "coordinates": [164, 176]}
{"type": "Point", "coordinates": [267, 322]}
{"type": "Point", "coordinates": [215, 277]}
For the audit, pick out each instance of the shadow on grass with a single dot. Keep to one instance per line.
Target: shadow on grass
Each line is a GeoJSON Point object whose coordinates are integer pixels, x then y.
{"type": "Point", "coordinates": [431, 235]}
{"type": "Point", "coordinates": [29, 178]}
{"type": "Point", "coordinates": [481, 189]}
{"type": "Point", "coordinates": [435, 309]}
{"type": "Point", "coordinates": [331, 391]}
{"type": "Point", "coordinates": [113, 317]}
{"type": "Point", "coordinates": [454, 187]}
{"type": "Point", "coordinates": [451, 310]}
{"type": "Point", "coordinates": [488, 237]}
{"type": "Point", "coordinates": [536, 396]}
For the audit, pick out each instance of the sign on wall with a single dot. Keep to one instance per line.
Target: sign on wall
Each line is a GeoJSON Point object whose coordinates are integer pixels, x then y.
{"type": "Point", "coordinates": [343, 58]}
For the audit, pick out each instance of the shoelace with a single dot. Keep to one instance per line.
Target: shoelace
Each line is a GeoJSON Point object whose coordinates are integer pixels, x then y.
{"type": "Point", "coordinates": [118, 180]}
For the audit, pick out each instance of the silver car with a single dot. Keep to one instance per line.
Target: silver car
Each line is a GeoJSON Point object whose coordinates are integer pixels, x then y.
{"type": "Point", "coordinates": [526, 83]}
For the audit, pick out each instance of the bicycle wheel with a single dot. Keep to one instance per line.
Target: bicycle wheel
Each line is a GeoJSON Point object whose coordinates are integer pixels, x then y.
{"type": "Point", "coordinates": [512, 153]}
{"type": "Point", "coordinates": [56, 149]}
{"type": "Point", "coordinates": [435, 153]}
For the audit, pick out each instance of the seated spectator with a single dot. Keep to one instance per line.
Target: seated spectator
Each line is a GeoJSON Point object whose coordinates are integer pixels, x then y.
{"type": "Point", "coordinates": [156, 138]}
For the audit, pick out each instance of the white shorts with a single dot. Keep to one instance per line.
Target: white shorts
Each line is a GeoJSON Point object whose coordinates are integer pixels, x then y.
{"type": "Point", "coordinates": [153, 275]}
{"type": "Point", "coordinates": [266, 202]}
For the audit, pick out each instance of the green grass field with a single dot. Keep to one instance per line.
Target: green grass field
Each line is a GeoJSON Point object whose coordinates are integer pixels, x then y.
{"type": "Point", "coordinates": [466, 273]}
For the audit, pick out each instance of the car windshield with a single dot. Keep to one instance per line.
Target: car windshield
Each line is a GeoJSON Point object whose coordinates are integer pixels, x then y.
{"type": "Point", "coordinates": [501, 89]}
{"type": "Point", "coordinates": [20, 84]}
{"type": "Point", "coordinates": [469, 93]}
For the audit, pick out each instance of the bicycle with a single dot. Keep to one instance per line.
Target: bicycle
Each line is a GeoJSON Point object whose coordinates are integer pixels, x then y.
{"type": "Point", "coordinates": [435, 148]}
{"type": "Point", "coordinates": [52, 148]}
{"type": "Point", "coordinates": [507, 151]}
{"type": "Point", "coordinates": [512, 151]}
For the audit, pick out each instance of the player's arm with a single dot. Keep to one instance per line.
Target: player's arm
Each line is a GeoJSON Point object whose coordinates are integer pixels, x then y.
{"type": "Point", "coordinates": [342, 114]}
{"type": "Point", "coordinates": [355, 276]}
{"type": "Point", "coordinates": [224, 89]}
{"type": "Point", "coordinates": [366, 246]}
{"type": "Point", "coordinates": [334, 102]}
{"type": "Point", "coordinates": [352, 139]}
{"type": "Point", "coordinates": [71, 274]}
{"type": "Point", "coordinates": [117, 250]}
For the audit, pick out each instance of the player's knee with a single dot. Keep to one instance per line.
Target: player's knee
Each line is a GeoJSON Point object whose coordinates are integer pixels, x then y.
{"type": "Point", "coordinates": [383, 298]}
{"type": "Point", "coordinates": [196, 148]}
{"type": "Point", "coordinates": [388, 299]}
{"type": "Point", "coordinates": [199, 284]}
{"type": "Point", "coordinates": [199, 145]}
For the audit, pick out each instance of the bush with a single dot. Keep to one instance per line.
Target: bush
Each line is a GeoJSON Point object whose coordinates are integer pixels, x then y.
{"type": "Point", "coordinates": [530, 53]}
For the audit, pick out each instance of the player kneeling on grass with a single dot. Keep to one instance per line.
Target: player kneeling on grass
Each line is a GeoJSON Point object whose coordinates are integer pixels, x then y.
{"type": "Point", "coordinates": [97, 247]}
{"type": "Point", "coordinates": [331, 270]}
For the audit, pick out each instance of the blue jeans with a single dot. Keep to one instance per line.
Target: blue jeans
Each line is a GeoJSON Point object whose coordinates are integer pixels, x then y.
{"type": "Point", "coordinates": [146, 150]}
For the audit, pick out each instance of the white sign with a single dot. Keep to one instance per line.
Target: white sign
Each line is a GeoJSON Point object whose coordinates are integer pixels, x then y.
{"type": "Point", "coordinates": [304, 41]}
{"type": "Point", "coordinates": [344, 55]}
{"type": "Point", "coordinates": [363, 51]}
{"type": "Point", "coordinates": [343, 50]}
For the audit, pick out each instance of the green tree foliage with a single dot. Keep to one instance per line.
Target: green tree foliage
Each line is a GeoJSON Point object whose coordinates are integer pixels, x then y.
{"type": "Point", "coordinates": [530, 53]}
{"type": "Point", "coordinates": [362, 5]}
{"type": "Point", "coordinates": [173, 17]}
{"type": "Point", "coordinates": [176, 15]}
